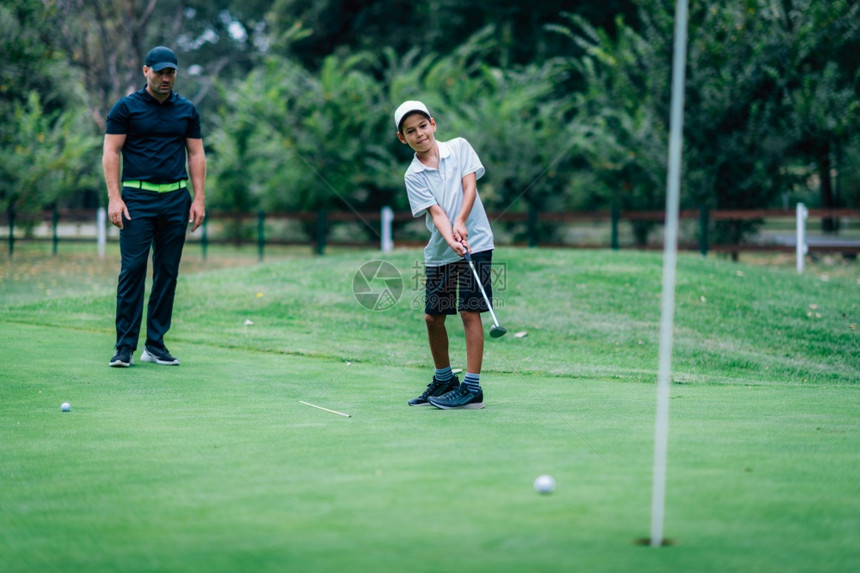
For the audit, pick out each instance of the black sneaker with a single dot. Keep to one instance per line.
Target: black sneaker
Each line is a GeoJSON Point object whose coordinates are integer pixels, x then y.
{"type": "Point", "coordinates": [158, 355]}
{"type": "Point", "coordinates": [459, 399]}
{"type": "Point", "coordinates": [435, 388]}
{"type": "Point", "coordinates": [122, 358]}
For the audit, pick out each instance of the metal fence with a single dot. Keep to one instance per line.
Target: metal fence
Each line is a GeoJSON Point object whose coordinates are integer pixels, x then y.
{"type": "Point", "coordinates": [386, 229]}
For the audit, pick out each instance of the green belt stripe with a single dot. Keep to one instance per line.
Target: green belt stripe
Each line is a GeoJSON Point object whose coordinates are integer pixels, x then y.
{"type": "Point", "coordinates": [159, 187]}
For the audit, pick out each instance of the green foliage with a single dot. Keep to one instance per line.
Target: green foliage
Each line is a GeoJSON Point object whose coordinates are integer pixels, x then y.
{"type": "Point", "coordinates": [50, 158]}
{"type": "Point", "coordinates": [296, 98]}
{"type": "Point", "coordinates": [44, 137]}
{"type": "Point", "coordinates": [622, 111]}
{"type": "Point", "coordinates": [758, 91]}
{"type": "Point", "coordinates": [292, 140]}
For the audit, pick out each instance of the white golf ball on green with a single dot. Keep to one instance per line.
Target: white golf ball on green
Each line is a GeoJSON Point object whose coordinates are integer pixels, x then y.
{"type": "Point", "coordinates": [544, 484]}
{"type": "Point", "coordinates": [66, 407]}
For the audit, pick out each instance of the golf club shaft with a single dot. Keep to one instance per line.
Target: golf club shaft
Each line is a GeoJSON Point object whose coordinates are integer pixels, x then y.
{"type": "Point", "coordinates": [480, 286]}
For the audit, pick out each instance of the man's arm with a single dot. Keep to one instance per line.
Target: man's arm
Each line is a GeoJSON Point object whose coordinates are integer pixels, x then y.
{"type": "Point", "coordinates": [111, 154]}
{"type": "Point", "coordinates": [197, 171]}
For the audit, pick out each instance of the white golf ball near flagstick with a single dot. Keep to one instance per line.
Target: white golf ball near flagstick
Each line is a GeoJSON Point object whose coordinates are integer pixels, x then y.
{"type": "Point", "coordinates": [544, 484]}
{"type": "Point", "coordinates": [66, 407]}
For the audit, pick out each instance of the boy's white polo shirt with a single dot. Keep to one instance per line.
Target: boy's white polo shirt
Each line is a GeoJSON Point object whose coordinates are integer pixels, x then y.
{"type": "Point", "coordinates": [426, 187]}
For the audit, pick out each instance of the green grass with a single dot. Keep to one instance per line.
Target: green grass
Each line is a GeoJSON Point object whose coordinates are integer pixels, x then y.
{"type": "Point", "coordinates": [216, 466]}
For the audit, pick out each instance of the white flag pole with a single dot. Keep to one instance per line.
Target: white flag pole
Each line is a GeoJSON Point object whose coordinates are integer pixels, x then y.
{"type": "Point", "coordinates": [670, 252]}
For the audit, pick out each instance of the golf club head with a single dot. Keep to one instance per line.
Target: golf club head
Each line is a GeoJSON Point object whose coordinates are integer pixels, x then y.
{"type": "Point", "coordinates": [497, 331]}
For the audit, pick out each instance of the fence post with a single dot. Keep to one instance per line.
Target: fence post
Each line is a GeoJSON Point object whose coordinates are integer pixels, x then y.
{"type": "Point", "coordinates": [55, 219]}
{"type": "Point", "coordinates": [322, 231]}
{"type": "Point", "coordinates": [704, 225]}
{"type": "Point", "coordinates": [616, 217]}
{"type": "Point", "coordinates": [802, 248]}
{"type": "Point", "coordinates": [101, 230]}
{"type": "Point", "coordinates": [10, 214]}
{"type": "Point", "coordinates": [386, 219]}
{"type": "Point", "coordinates": [261, 234]}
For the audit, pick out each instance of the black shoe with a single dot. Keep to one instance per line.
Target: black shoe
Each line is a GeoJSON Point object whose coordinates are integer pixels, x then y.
{"type": "Point", "coordinates": [435, 388]}
{"type": "Point", "coordinates": [122, 358]}
{"type": "Point", "coordinates": [158, 355]}
{"type": "Point", "coordinates": [459, 399]}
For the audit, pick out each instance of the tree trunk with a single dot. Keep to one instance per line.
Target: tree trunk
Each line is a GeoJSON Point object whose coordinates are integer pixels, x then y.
{"type": "Point", "coordinates": [828, 224]}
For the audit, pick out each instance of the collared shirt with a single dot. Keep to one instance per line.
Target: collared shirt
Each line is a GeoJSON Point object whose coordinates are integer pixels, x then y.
{"type": "Point", "coordinates": [154, 148]}
{"type": "Point", "coordinates": [426, 187]}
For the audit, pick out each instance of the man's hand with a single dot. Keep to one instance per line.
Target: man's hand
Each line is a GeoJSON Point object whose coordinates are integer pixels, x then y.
{"type": "Point", "coordinates": [116, 211]}
{"type": "Point", "coordinates": [196, 215]}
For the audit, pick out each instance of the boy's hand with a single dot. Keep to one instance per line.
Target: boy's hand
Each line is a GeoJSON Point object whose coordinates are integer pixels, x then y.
{"type": "Point", "coordinates": [461, 247]}
{"type": "Point", "coordinates": [459, 230]}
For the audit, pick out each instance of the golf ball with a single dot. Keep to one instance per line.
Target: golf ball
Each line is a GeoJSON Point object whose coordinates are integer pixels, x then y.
{"type": "Point", "coordinates": [544, 484]}
{"type": "Point", "coordinates": [66, 407]}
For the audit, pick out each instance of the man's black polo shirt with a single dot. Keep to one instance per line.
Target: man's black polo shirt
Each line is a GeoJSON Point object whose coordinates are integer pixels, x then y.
{"type": "Point", "coordinates": [155, 133]}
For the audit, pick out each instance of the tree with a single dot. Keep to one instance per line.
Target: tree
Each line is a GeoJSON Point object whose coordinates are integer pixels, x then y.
{"type": "Point", "coordinates": [107, 40]}
{"type": "Point", "coordinates": [292, 140]}
{"type": "Point", "coordinates": [622, 110]}
{"type": "Point", "coordinates": [44, 144]}
{"type": "Point", "coordinates": [51, 157]}
{"type": "Point", "coordinates": [745, 79]}
{"type": "Point", "coordinates": [820, 85]}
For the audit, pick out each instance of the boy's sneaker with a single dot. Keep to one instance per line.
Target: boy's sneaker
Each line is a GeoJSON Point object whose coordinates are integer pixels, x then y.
{"type": "Point", "coordinates": [459, 399]}
{"type": "Point", "coordinates": [122, 358]}
{"type": "Point", "coordinates": [158, 355]}
{"type": "Point", "coordinates": [435, 388]}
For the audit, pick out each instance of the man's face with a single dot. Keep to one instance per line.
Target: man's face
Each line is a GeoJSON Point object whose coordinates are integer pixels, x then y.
{"type": "Point", "coordinates": [160, 83]}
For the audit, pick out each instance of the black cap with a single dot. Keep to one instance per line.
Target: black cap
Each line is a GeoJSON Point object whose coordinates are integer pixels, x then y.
{"type": "Point", "coordinates": [161, 57]}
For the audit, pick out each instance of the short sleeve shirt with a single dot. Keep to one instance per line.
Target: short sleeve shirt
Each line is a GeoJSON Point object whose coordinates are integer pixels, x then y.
{"type": "Point", "coordinates": [426, 187]}
{"type": "Point", "coordinates": [156, 134]}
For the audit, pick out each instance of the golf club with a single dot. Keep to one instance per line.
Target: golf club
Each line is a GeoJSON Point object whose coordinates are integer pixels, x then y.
{"type": "Point", "coordinates": [497, 330]}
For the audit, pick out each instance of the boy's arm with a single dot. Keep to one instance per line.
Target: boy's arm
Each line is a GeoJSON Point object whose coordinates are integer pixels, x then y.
{"type": "Point", "coordinates": [470, 191]}
{"type": "Point", "coordinates": [441, 222]}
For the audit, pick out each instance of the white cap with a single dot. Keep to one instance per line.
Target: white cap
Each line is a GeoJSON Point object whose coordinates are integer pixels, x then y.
{"type": "Point", "coordinates": [408, 107]}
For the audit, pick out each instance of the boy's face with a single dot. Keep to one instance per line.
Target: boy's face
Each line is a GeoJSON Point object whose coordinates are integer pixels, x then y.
{"type": "Point", "coordinates": [418, 132]}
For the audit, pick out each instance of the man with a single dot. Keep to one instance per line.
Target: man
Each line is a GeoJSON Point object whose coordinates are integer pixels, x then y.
{"type": "Point", "coordinates": [156, 132]}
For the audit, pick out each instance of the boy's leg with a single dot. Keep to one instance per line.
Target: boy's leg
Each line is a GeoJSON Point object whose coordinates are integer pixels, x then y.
{"type": "Point", "coordinates": [439, 302]}
{"type": "Point", "coordinates": [474, 330]}
{"type": "Point", "coordinates": [471, 305]}
{"type": "Point", "coordinates": [437, 336]}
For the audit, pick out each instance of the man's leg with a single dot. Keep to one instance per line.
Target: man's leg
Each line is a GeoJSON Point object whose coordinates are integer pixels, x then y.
{"type": "Point", "coordinates": [135, 240]}
{"type": "Point", "coordinates": [166, 254]}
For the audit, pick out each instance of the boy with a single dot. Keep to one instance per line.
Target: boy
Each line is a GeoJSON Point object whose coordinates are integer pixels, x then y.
{"type": "Point", "coordinates": [441, 184]}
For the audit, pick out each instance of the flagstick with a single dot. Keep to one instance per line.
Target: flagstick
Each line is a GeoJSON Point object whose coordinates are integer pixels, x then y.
{"type": "Point", "coordinates": [676, 128]}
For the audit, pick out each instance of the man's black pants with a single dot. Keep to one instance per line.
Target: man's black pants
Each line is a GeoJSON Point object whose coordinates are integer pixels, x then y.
{"type": "Point", "coordinates": [158, 221]}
